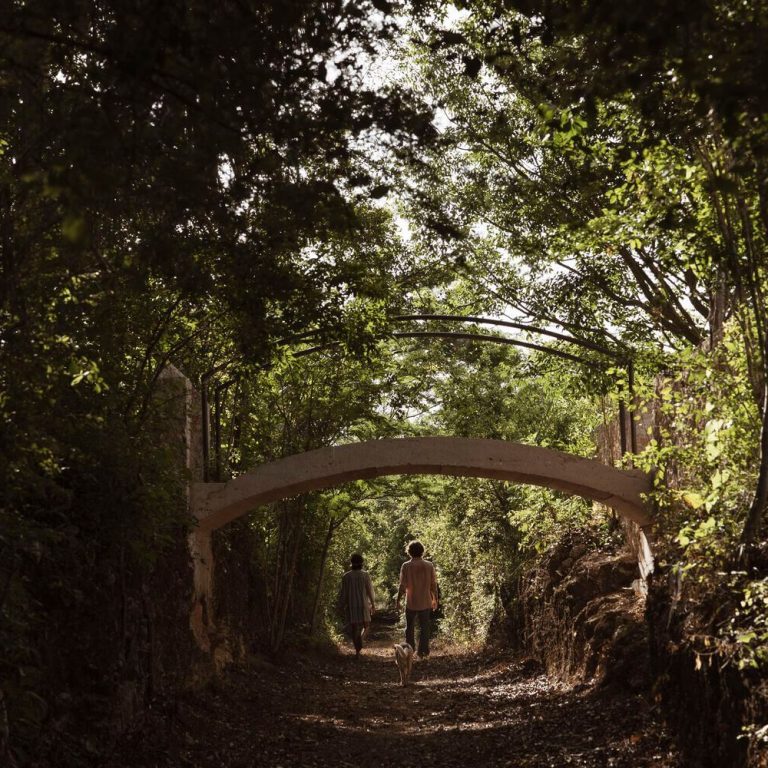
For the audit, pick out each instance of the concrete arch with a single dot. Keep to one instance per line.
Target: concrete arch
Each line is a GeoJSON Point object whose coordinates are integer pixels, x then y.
{"type": "Point", "coordinates": [216, 504]}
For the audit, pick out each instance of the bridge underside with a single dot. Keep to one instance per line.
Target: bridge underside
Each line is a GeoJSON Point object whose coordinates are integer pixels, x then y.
{"type": "Point", "coordinates": [216, 504]}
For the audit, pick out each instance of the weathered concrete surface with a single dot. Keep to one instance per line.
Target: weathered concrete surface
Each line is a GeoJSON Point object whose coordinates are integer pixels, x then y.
{"type": "Point", "coordinates": [179, 398]}
{"type": "Point", "coordinates": [216, 504]}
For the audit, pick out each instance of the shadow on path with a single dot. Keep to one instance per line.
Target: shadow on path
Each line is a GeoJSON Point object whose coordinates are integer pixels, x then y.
{"type": "Point", "coordinates": [462, 709]}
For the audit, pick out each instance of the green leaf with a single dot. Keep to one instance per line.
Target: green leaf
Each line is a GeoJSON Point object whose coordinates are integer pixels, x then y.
{"type": "Point", "coordinates": [73, 228]}
{"type": "Point", "coordinates": [692, 499]}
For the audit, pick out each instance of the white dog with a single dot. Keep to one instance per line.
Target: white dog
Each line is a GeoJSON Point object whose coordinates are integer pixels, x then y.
{"type": "Point", "coordinates": [404, 661]}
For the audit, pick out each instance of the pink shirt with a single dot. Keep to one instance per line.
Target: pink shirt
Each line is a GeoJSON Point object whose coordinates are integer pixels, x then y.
{"type": "Point", "coordinates": [419, 580]}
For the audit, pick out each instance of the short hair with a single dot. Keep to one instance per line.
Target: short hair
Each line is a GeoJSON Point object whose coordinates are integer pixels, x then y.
{"type": "Point", "coordinates": [415, 549]}
{"type": "Point", "coordinates": [356, 560]}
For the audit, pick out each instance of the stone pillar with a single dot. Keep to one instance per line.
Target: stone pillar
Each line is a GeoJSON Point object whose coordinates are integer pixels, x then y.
{"type": "Point", "coordinates": [201, 615]}
{"type": "Point", "coordinates": [638, 541]}
{"type": "Point", "coordinates": [606, 438]}
{"type": "Point", "coordinates": [182, 405]}
{"type": "Point", "coordinates": [186, 412]}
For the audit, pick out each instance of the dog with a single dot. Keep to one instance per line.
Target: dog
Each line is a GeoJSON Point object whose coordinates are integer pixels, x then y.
{"type": "Point", "coordinates": [404, 661]}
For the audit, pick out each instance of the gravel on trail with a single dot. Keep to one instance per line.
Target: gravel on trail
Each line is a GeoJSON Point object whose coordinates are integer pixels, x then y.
{"type": "Point", "coordinates": [461, 709]}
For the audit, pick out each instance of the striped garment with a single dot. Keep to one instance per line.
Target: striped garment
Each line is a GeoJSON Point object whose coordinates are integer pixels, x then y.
{"type": "Point", "coordinates": [356, 596]}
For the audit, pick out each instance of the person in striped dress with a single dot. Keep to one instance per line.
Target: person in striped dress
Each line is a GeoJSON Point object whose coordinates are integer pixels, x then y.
{"type": "Point", "coordinates": [357, 601]}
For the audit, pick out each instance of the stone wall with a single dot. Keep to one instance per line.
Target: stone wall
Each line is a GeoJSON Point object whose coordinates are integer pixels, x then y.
{"type": "Point", "coordinates": [218, 612]}
{"type": "Point", "coordinates": [707, 699]}
{"type": "Point", "coordinates": [577, 614]}
{"type": "Point", "coordinates": [162, 654]}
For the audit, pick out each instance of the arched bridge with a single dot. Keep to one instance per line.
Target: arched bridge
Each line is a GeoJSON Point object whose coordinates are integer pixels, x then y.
{"type": "Point", "coordinates": [215, 504]}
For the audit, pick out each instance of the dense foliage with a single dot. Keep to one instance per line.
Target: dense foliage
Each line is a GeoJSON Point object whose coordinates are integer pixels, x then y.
{"type": "Point", "coordinates": [179, 183]}
{"type": "Point", "coordinates": [605, 172]}
{"type": "Point", "coordinates": [611, 181]}
{"type": "Point", "coordinates": [256, 193]}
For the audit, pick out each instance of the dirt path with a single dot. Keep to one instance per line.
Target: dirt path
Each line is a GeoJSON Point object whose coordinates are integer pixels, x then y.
{"type": "Point", "coordinates": [460, 710]}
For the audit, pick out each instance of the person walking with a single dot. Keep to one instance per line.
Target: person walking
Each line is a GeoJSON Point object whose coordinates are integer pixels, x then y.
{"type": "Point", "coordinates": [357, 601]}
{"type": "Point", "coordinates": [418, 582]}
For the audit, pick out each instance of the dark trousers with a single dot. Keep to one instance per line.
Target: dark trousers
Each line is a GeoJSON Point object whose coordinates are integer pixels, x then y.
{"type": "Point", "coordinates": [357, 636]}
{"type": "Point", "coordinates": [425, 618]}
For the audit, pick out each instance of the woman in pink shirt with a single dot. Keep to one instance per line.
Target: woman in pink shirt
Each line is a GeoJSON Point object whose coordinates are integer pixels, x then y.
{"type": "Point", "coordinates": [418, 582]}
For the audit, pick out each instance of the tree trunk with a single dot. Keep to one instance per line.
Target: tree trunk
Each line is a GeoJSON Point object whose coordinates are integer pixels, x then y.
{"type": "Point", "coordinates": [754, 521]}
{"type": "Point", "coordinates": [321, 579]}
{"type": "Point", "coordinates": [287, 560]}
